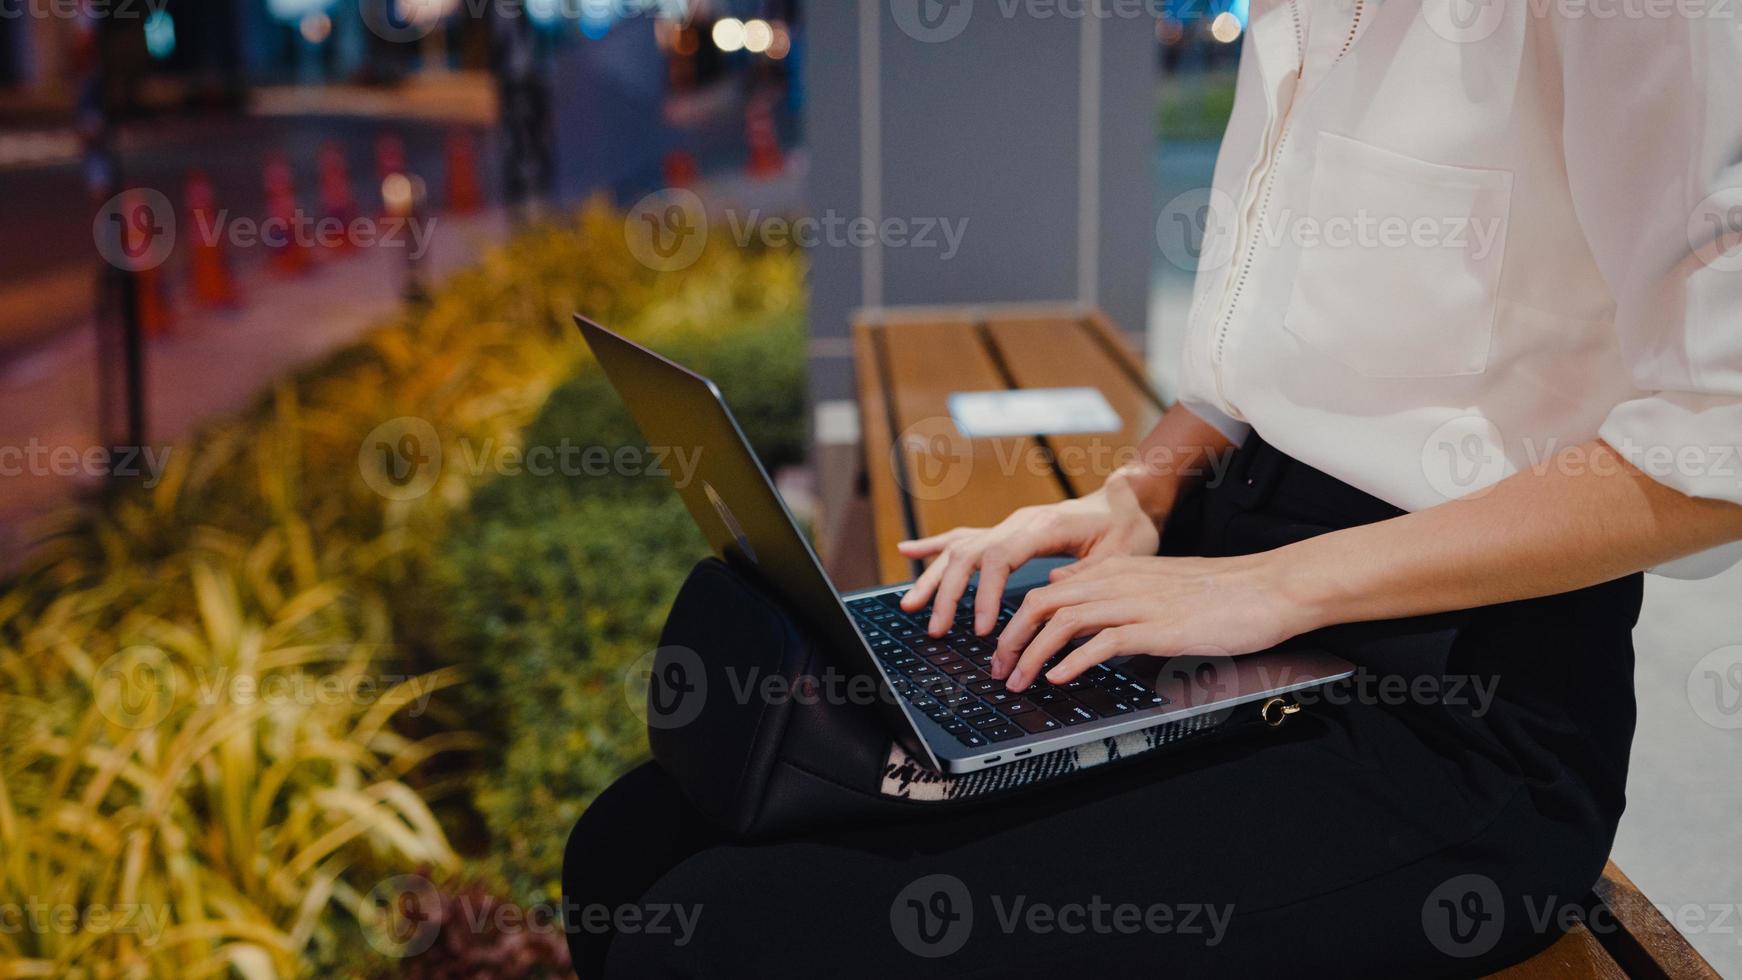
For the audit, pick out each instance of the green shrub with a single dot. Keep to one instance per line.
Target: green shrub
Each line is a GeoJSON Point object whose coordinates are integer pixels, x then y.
{"type": "Point", "coordinates": [551, 587]}
{"type": "Point", "coordinates": [265, 549]}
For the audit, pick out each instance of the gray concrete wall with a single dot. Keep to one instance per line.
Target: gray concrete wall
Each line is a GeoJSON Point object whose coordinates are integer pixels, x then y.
{"type": "Point", "coordinates": [1025, 133]}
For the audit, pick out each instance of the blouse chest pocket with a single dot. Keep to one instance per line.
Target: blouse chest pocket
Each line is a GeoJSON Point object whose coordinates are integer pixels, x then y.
{"type": "Point", "coordinates": [1399, 276]}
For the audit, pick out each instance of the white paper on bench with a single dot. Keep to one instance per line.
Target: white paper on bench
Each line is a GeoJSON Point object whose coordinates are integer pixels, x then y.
{"type": "Point", "coordinates": [1032, 412]}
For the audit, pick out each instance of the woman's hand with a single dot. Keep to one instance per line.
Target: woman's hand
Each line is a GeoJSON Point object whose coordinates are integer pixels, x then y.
{"type": "Point", "coordinates": [1158, 606]}
{"type": "Point", "coordinates": [1108, 523]}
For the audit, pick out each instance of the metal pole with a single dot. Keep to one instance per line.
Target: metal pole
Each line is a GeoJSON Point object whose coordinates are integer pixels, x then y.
{"type": "Point", "coordinates": [524, 102]}
{"type": "Point", "coordinates": [120, 338]}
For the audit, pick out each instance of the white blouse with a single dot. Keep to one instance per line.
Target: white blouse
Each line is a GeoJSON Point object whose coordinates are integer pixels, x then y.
{"type": "Point", "coordinates": [1449, 239]}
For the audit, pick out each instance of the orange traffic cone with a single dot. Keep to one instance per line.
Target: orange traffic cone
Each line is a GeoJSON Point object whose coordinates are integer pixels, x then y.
{"type": "Point", "coordinates": [463, 194]}
{"type": "Point", "coordinates": [337, 201]}
{"type": "Point", "coordinates": [288, 256]}
{"type": "Point", "coordinates": [208, 272]}
{"type": "Point", "coordinates": [680, 169]}
{"type": "Point", "coordinates": [151, 302]}
{"type": "Point", "coordinates": [765, 157]}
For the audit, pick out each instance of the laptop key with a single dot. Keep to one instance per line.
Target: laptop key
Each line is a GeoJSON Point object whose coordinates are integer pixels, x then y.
{"type": "Point", "coordinates": [1034, 722]}
{"type": "Point", "coordinates": [973, 711]}
{"type": "Point", "coordinates": [985, 688]}
{"type": "Point", "coordinates": [1102, 703]}
{"type": "Point", "coordinates": [987, 720]}
{"type": "Point", "coordinates": [1014, 706]}
{"type": "Point", "coordinates": [1002, 732]}
{"type": "Point", "coordinates": [971, 740]}
{"type": "Point", "coordinates": [955, 726]}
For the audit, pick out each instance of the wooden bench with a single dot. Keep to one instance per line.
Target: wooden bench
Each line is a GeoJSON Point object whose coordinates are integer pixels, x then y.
{"type": "Point", "coordinates": [923, 477]}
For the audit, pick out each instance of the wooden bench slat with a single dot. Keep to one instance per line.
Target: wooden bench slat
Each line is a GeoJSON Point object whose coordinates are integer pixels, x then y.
{"type": "Point", "coordinates": [1054, 352]}
{"type": "Point", "coordinates": [1576, 954]}
{"type": "Point", "coordinates": [887, 512]}
{"type": "Point", "coordinates": [1640, 938]}
{"type": "Point", "coordinates": [951, 480]}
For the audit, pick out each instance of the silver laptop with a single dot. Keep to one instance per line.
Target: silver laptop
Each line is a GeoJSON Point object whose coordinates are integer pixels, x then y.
{"type": "Point", "coordinates": [933, 692]}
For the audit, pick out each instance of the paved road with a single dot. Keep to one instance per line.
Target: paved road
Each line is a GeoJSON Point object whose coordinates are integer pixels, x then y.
{"type": "Point", "coordinates": [46, 231]}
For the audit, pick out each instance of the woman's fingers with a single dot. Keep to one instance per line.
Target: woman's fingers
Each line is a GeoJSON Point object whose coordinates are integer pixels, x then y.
{"type": "Point", "coordinates": [1104, 646]}
{"type": "Point", "coordinates": [1065, 625]}
{"type": "Point", "coordinates": [994, 575]}
{"type": "Point", "coordinates": [928, 546]}
{"type": "Point", "coordinates": [1037, 607]}
{"type": "Point", "coordinates": [951, 585]}
{"type": "Point", "coordinates": [1075, 568]}
{"type": "Point", "coordinates": [927, 583]}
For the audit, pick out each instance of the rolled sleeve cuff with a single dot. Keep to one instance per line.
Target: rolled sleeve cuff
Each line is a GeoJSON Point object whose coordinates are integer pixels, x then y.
{"type": "Point", "coordinates": [1232, 429]}
{"type": "Point", "coordinates": [1688, 442]}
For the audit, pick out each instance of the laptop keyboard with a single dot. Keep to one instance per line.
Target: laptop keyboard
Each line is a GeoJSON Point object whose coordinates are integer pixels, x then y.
{"type": "Point", "coordinates": [946, 677]}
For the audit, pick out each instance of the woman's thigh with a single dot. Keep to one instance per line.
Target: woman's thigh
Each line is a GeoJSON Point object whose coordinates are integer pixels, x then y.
{"type": "Point", "coordinates": [1340, 844]}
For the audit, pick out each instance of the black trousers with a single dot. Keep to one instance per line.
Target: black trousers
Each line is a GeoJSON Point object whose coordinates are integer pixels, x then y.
{"type": "Point", "coordinates": [1443, 815]}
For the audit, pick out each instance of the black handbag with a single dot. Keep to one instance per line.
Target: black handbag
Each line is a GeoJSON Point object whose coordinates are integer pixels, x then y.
{"type": "Point", "coordinates": [764, 735]}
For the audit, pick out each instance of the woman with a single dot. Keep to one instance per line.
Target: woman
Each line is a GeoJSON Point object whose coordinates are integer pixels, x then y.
{"type": "Point", "coordinates": [1472, 313]}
